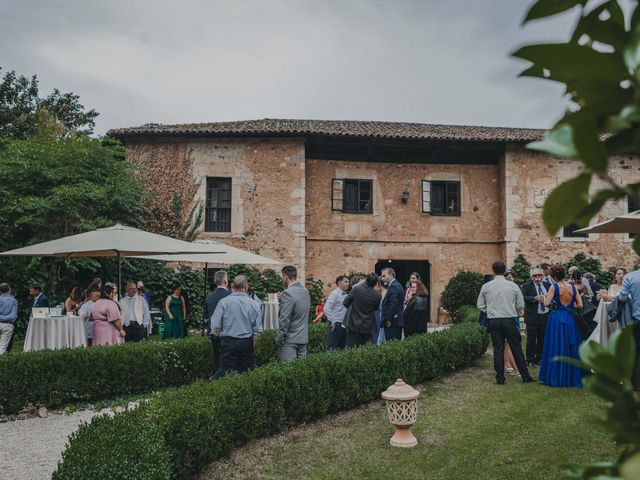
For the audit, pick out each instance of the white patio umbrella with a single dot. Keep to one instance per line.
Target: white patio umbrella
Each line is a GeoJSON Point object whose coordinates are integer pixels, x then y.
{"type": "Point", "coordinates": [232, 256]}
{"type": "Point", "coordinates": [116, 241]}
{"type": "Point", "coordinates": [628, 223]}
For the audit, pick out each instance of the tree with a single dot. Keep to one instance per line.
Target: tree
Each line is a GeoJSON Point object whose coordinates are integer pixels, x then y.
{"type": "Point", "coordinates": [600, 67]}
{"type": "Point", "coordinates": [21, 108]}
{"type": "Point", "coordinates": [171, 194]}
{"type": "Point", "coordinates": [53, 188]}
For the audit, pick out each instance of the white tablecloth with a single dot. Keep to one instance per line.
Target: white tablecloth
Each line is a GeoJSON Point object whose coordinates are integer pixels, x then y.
{"type": "Point", "coordinates": [270, 313]}
{"type": "Point", "coordinates": [605, 328]}
{"type": "Point", "coordinates": [55, 332]}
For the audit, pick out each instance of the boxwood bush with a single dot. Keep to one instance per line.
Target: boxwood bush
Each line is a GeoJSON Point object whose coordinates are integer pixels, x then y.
{"type": "Point", "coordinates": [57, 377]}
{"type": "Point", "coordinates": [197, 424]}
{"type": "Point", "coordinates": [469, 313]}
{"type": "Point", "coordinates": [462, 289]}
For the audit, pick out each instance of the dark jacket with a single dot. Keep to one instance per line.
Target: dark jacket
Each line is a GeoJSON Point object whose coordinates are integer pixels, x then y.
{"type": "Point", "coordinates": [393, 304]}
{"type": "Point", "coordinates": [620, 312]}
{"type": "Point", "coordinates": [43, 301]}
{"type": "Point", "coordinates": [362, 303]}
{"type": "Point", "coordinates": [416, 316]}
{"type": "Point", "coordinates": [211, 302]}
{"type": "Point", "coordinates": [529, 292]}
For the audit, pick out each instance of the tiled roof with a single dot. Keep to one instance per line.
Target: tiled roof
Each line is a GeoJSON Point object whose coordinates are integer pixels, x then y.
{"type": "Point", "coordinates": [270, 127]}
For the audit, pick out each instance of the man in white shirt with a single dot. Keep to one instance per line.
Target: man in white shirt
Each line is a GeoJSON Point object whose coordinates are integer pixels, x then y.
{"type": "Point", "coordinates": [503, 303]}
{"type": "Point", "coordinates": [335, 311]}
{"type": "Point", "coordinates": [135, 314]}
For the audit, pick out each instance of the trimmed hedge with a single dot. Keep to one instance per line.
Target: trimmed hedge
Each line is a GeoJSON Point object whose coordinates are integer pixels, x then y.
{"type": "Point", "coordinates": [469, 313]}
{"type": "Point", "coordinates": [58, 377]}
{"type": "Point", "coordinates": [200, 423]}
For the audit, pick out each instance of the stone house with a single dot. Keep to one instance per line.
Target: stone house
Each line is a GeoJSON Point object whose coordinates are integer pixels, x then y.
{"type": "Point", "coordinates": [335, 197]}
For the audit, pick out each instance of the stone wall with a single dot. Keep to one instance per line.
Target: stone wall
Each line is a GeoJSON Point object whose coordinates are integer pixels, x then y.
{"type": "Point", "coordinates": [281, 207]}
{"type": "Point", "coordinates": [341, 242]}
{"type": "Point", "coordinates": [268, 189]}
{"type": "Point", "coordinates": [393, 220]}
{"type": "Point", "coordinates": [530, 177]}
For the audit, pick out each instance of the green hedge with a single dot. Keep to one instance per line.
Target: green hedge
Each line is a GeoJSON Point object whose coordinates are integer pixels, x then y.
{"type": "Point", "coordinates": [58, 377]}
{"type": "Point", "coordinates": [462, 289]}
{"type": "Point", "coordinates": [199, 423]}
{"type": "Point", "coordinates": [469, 313]}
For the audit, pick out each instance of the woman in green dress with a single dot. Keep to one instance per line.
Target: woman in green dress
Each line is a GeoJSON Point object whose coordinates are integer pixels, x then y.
{"type": "Point", "coordinates": [176, 311]}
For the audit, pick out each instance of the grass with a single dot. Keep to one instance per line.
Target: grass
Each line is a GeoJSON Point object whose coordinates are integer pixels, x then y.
{"type": "Point", "coordinates": [468, 428]}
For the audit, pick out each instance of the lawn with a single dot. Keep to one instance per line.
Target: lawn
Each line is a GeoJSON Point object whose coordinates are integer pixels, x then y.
{"type": "Point", "coordinates": [468, 428]}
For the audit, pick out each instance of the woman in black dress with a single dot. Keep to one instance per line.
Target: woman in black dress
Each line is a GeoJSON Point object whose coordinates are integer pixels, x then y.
{"type": "Point", "coordinates": [416, 313]}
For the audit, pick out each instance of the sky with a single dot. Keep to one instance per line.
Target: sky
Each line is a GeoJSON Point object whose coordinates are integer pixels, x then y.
{"type": "Point", "coordinates": [139, 61]}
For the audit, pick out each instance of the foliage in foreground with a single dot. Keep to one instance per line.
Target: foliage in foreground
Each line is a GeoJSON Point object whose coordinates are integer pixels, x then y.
{"type": "Point", "coordinates": [58, 377]}
{"type": "Point", "coordinates": [611, 380]}
{"type": "Point", "coordinates": [204, 421]}
{"type": "Point", "coordinates": [600, 67]}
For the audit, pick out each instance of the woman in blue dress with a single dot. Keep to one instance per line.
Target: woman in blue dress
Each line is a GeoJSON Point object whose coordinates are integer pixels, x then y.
{"type": "Point", "coordinates": [562, 337]}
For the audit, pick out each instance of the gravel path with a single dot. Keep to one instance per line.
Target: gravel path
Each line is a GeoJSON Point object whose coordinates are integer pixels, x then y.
{"type": "Point", "coordinates": [31, 448]}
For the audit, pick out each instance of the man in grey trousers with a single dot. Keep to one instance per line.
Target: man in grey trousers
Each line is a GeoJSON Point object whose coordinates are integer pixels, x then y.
{"type": "Point", "coordinates": [293, 329]}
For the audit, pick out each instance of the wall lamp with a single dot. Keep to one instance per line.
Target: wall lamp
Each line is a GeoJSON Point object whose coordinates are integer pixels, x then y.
{"type": "Point", "coordinates": [405, 195]}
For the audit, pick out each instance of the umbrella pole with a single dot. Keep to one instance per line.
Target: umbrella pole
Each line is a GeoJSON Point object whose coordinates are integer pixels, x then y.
{"type": "Point", "coordinates": [119, 273]}
{"type": "Point", "coordinates": [204, 310]}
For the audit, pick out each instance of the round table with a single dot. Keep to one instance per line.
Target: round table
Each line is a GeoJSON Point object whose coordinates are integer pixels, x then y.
{"type": "Point", "coordinates": [270, 313]}
{"type": "Point", "coordinates": [55, 332]}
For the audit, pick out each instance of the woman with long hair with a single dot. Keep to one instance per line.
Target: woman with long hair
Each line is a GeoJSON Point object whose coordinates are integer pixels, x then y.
{"type": "Point", "coordinates": [416, 313]}
{"type": "Point", "coordinates": [614, 288]}
{"type": "Point", "coordinates": [562, 336]}
{"type": "Point", "coordinates": [74, 301]}
{"type": "Point", "coordinates": [176, 310]}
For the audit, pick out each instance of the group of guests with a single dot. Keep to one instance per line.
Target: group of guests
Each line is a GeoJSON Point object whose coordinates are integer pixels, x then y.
{"type": "Point", "coordinates": [556, 311]}
{"type": "Point", "coordinates": [235, 321]}
{"type": "Point", "coordinates": [358, 311]}
{"type": "Point", "coordinates": [373, 309]}
{"type": "Point", "coordinates": [112, 320]}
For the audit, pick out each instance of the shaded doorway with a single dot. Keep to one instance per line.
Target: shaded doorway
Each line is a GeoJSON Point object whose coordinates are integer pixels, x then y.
{"type": "Point", "coordinates": [404, 268]}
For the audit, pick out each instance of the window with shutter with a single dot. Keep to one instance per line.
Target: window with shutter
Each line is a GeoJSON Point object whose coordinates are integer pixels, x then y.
{"type": "Point", "coordinates": [352, 195]}
{"type": "Point", "coordinates": [441, 198]}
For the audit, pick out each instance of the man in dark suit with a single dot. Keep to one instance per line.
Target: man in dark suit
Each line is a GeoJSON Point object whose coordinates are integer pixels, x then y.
{"type": "Point", "coordinates": [39, 299]}
{"type": "Point", "coordinates": [211, 302]}
{"type": "Point", "coordinates": [392, 305]}
{"type": "Point", "coordinates": [293, 318]}
{"type": "Point", "coordinates": [535, 314]}
{"type": "Point", "coordinates": [362, 303]}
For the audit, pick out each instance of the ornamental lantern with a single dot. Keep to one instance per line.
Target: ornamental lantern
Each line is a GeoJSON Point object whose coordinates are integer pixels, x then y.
{"type": "Point", "coordinates": [402, 408]}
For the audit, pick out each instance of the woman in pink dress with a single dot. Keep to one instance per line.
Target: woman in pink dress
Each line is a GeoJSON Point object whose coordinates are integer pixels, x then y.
{"type": "Point", "coordinates": [107, 324]}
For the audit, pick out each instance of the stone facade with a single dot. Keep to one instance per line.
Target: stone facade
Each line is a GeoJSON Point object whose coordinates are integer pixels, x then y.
{"type": "Point", "coordinates": [530, 177]}
{"type": "Point", "coordinates": [281, 208]}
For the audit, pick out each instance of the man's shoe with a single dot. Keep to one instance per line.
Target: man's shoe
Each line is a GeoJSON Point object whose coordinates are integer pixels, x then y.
{"type": "Point", "coordinates": [528, 380]}
{"type": "Point", "coordinates": [500, 382]}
